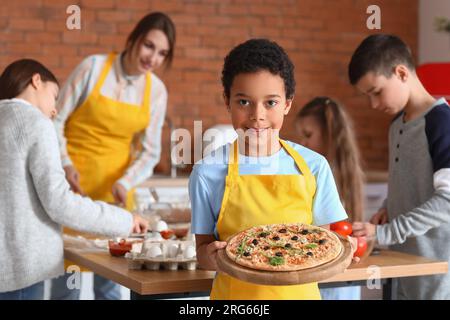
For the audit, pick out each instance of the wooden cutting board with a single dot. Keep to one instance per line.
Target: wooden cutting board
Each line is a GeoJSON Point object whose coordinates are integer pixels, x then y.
{"type": "Point", "coordinates": [319, 273]}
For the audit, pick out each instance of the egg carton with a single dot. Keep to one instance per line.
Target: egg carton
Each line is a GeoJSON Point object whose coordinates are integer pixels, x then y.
{"type": "Point", "coordinates": [167, 254]}
{"type": "Point", "coordinates": [138, 262]}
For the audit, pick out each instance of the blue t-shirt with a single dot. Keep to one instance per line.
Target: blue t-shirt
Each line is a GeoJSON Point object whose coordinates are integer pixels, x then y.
{"type": "Point", "coordinates": [207, 184]}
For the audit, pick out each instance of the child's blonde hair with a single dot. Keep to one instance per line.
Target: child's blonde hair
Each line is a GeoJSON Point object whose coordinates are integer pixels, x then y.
{"type": "Point", "coordinates": [342, 151]}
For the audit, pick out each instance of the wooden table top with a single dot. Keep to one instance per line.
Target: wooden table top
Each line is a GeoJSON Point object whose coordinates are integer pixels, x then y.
{"type": "Point", "coordinates": [146, 282]}
{"type": "Point", "coordinates": [165, 182]}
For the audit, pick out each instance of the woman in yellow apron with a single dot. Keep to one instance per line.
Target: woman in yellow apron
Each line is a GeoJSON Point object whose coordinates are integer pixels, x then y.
{"type": "Point", "coordinates": [263, 179]}
{"type": "Point", "coordinates": [111, 104]}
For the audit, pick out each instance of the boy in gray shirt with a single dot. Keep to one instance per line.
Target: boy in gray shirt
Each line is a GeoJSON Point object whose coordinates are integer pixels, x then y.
{"type": "Point", "coordinates": [418, 203]}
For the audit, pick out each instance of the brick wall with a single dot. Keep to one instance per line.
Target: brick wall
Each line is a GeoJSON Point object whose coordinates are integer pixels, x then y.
{"type": "Point", "coordinates": [319, 36]}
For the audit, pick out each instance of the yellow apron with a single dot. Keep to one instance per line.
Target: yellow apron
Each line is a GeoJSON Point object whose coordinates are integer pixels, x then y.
{"type": "Point", "coordinates": [99, 137]}
{"type": "Point", "coordinates": [251, 200]}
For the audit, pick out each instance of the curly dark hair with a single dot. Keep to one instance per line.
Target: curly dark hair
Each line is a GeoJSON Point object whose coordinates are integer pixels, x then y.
{"type": "Point", "coordinates": [256, 55]}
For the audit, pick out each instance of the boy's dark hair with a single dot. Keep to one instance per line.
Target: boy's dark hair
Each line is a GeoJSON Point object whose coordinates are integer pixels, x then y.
{"type": "Point", "coordinates": [256, 55]}
{"type": "Point", "coordinates": [379, 53]}
{"type": "Point", "coordinates": [17, 76]}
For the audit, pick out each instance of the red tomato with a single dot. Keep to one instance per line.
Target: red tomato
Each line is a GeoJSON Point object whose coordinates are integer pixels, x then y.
{"type": "Point", "coordinates": [361, 248]}
{"type": "Point", "coordinates": [167, 234]}
{"type": "Point", "coordinates": [119, 248]}
{"type": "Point", "coordinates": [344, 228]}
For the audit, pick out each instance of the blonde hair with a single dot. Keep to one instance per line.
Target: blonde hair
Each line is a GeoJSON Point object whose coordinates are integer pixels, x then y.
{"type": "Point", "coordinates": [342, 152]}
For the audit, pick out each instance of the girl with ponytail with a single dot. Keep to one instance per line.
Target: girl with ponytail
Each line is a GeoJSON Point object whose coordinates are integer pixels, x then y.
{"type": "Point", "coordinates": [325, 127]}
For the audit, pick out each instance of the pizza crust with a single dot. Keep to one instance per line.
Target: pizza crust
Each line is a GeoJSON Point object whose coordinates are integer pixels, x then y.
{"type": "Point", "coordinates": [266, 248]}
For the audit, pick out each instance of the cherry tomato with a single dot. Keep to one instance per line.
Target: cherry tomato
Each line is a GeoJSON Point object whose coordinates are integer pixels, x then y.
{"type": "Point", "coordinates": [344, 228]}
{"type": "Point", "coordinates": [119, 248]}
{"type": "Point", "coordinates": [167, 234]}
{"type": "Point", "coordinates": [361, 248]}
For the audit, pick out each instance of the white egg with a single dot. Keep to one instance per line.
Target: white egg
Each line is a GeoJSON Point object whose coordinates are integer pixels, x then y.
{"type": "Point", "coordinates": [154, 236]}
{"type": "Point", "coordinates": [154, 251]}
{"type": "Point", "coordinates": [173, 250]}
{"type": "Point", "coordinates": [189, 253]}
{"type": "Point", "coordinates": [161, 226]}
{"type": "Point", "coordinates": [137, 247]}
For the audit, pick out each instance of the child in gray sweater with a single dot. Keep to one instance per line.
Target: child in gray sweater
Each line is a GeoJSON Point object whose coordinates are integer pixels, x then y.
{"type": "Point", "coordinates": [418, 203]}
{"type": "Point", "coordinates": [35, 198]}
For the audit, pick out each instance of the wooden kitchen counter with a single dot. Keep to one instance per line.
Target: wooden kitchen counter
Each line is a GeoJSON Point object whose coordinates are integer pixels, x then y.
{"type": "Point", "coordinates": [145, 282]}
{"type": "Point", "coordinates": [158, 181]}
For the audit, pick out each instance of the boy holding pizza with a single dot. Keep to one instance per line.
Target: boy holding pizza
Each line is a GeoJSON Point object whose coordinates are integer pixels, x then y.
{"type": "Point", "coordinates": [258, 179]}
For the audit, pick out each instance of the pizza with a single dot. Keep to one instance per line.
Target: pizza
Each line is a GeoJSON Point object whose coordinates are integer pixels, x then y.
{"type": "Point", "coordinates": [283, 247]}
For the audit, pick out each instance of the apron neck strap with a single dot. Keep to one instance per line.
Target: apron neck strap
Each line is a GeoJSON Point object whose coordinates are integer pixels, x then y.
{"type": "Point", "coordinates": [233, 164]}
{"type": "Point", "coordinates": [105, 71]}
{"type": "Point", "coordinates": [147, 92]}
{"type": "Point", "coordinates": [299, 161]}
{"type": "Point", "coordinates": [302, 166]}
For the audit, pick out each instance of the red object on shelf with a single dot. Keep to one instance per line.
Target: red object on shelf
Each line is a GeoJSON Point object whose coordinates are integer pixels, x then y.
{"type": "Point", "coordinates": [436, 79]}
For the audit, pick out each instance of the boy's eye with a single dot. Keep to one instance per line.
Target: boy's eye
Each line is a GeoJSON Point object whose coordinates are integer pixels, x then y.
{"type": "Point", "coordinates": [243, 102]}
{"type": "Point", "coordinates": [272, 103]}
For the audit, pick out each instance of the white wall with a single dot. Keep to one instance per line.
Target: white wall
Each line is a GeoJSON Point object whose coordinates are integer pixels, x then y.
{"type": "Point", "coordinates": [433, 46]}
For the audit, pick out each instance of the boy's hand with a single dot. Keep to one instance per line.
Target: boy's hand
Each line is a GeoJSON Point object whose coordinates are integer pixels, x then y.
{"type": "Point", "coordinates": [354, 244]}
{"type": "Point", "coordinates": [211, 252]}
{"type": "Point", "coordinates": [381, 217]}
{"type": "Point", "coordinates": [364, 229]}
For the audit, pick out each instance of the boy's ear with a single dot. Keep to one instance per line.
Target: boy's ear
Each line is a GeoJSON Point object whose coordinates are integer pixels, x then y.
{"type": "Point", "coordinates": [227, 101]}
{"type": "Point", "coordinates": [402, 72]}
{"type": "Point", "coordinates": [288, 106]}
{"type": "Point", "coordinates": [36, 81]}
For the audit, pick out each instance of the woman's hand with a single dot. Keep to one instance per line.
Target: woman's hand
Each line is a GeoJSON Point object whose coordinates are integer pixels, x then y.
{"type": "Point", "coordinates": [73, 177]}
{"type": "Point", "coordinates": [120, 194]}
{"type": "Point", "coordinates": [381, 217]}
{"type": "Point", "coordinates": [140, 225]}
